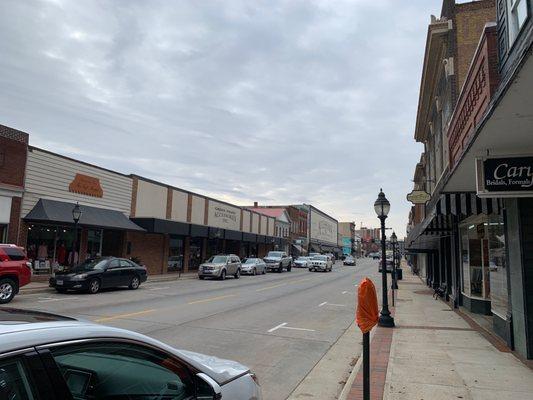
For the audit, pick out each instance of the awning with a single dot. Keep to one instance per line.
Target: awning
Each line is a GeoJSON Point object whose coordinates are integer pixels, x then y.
{"type": "Point", "coordinates": [299, 248]}
{"type": "Point", "coordinates": [157, 225]}
{"type": "Point", "coordinates": [59, 212]}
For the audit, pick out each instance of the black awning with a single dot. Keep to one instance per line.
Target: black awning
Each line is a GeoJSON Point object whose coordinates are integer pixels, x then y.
{"type": "Point", "coordinates": [249, 237]}
{"type": "Point", "coordinates": [233, 235]}
{"type": "Point", "coordinates": [157, 225]}
{"type": "Point", "coordinates": [216, 233]}
{"type": "Point", "coordinates": [199, 231]}
{"type": "Point", "coordinates": [59, 212]}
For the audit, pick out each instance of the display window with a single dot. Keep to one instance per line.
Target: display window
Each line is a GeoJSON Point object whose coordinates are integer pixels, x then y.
{"type": "Point", "coordinates": [175, 253]}
{"type": "Point", "coordinates": [484, 271]}
{"type": "Point", "coordinates": [195, 253]}
{"type": "Point", "coordinates": [3, 233]}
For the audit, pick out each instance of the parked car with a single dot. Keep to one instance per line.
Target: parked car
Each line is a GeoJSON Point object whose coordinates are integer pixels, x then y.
{"type": "Point", "coordinates": [253, 266]}
{"type": "Point", "coordinates": [375, 255]}
{"type": "Point", "coordinates": [15, 271]}
{"type": "Point", "coordinates": [302, 262]}
{"type": "Point", "coordinates": [332, 256]}
{"type": "Point", "coordinates": [389, 262]}
{"type": "Point", "coordinates": [349, 260]}
{"type": "Point", "coordinates": [84, 360]}
{"type": "Point", "coordinates": [321, 263]}
{"type": "Point", "coordinates": [99, 273]}
{"type": "Point", "coordinates": [313, 254]}
{"type": "Point", "coordinates": [277, 261]}
{"type": "Point", "coordinates": [220, 267]}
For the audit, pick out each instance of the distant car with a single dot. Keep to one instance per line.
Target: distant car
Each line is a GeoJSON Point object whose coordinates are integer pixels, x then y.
{"type": "Point", "coordinates": [63, 358]}
{"type": "Point", "coordinates": [375, 255]}
{"type": "Point", "coordinates": [314, 254]}
{"type": "Point", "coordinates": [389, 264]}
{"type": "Point", "coordinates": [302, 262]}
{"type": "Point", "coordinates": [253, 266]}
{"type": "Point", "coordinates": [15, 271]}
{"type": "Point", "coordinates": [220, 267]}
{"type": "Point", "coordinates": [277, 261]}
{"type": "Point", "coordinates": [99, 273]}
{"type": "Point", "coordinates": [331, 255]}
{"type": "Point", "coordinates": [349, 260]}
{"type": "Point", "coordinates": [321, 263]}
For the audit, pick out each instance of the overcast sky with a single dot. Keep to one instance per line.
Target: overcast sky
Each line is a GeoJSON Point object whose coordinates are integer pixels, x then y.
{"type": "Point", "coordinates": [255, 100]}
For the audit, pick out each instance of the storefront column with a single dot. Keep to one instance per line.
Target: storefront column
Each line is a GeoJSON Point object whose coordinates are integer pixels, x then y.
{"type": "Point", "coordinates": [82, 246]}
{"type": "Point", "coordinates": [204, 249]}
{"type": "Point", "coordinates": [186, 253]}
{"type": "Point", "coordinates": [166, 246]}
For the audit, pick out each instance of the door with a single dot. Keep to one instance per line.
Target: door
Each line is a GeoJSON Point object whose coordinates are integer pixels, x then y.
{"type": "Point", "coordinates": [111, 276]}
{"type": "Point", "coordinates": [17, 381]}
{"type": "Point", "coordinates": [119, 370]}
{"type": "Point", "coordinates": [126, 272]}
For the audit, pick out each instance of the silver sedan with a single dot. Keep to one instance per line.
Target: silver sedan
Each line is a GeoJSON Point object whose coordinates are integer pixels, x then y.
{"type": "Point", "coordinates": [253, 266]}
{"type": "Point", "coordinates": [86, 360]}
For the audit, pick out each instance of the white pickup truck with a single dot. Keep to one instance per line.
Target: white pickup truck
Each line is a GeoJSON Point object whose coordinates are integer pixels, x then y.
{"type": "Point", "coordinates": [277, 261]}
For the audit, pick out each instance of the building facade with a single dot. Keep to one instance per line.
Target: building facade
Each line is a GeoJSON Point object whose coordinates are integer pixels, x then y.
{"type": "Point", "coordinates": [347, 237]}
{"type": "Point", "coordinates": [282, 228]}
{"type": "Point", "coordinates": [473, 238]}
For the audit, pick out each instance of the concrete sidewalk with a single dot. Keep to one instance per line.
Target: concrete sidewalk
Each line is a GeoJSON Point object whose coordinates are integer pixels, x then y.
{"type": "Point", "coordinates": [42, 285]}
{"type": "Point", "coordinates": [435, 354]}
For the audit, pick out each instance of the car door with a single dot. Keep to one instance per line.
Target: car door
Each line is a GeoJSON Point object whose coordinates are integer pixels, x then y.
{"type": "Point", "coordinates": [126, 272]}
{"type": "Point", "coordinates": [120, 370]}
{"type": "Point", "coordinates": [17, 381]}
{"type": "Point", "coordinates": [111, 276]}
{"type": "Point", "coordinates": [233, 265]}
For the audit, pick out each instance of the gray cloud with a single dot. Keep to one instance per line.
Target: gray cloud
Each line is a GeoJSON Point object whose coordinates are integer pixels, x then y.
{"type": "Point", "coordinates": [276, 101]}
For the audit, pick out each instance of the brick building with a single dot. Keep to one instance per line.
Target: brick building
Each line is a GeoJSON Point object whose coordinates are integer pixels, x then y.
{"type": "Point", "coordinates": [13, 154]}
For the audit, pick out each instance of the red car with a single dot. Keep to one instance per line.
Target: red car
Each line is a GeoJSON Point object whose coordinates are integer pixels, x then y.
{"type": "Point", "coordinates": [15, 271]}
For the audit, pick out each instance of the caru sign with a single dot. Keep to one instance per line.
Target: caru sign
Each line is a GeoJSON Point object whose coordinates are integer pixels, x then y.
{"type": "Point", "coordinates": [505, 177]}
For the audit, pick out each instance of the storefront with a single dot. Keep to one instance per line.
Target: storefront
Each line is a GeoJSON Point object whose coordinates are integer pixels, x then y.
{"type": "Point", "coordinates": [5, 216]}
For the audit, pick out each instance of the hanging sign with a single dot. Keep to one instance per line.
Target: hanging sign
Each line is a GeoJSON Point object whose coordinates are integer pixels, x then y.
{"type": "Point", "coordinates": [504, 177]}
{"type": "Point", "coordinates": [85, 184]}
{"type": "Point", "coordinates": [418, 197]}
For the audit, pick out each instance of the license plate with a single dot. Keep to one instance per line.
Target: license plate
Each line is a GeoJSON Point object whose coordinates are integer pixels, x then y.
{"type": "Point", "coordinates": [59, 282]}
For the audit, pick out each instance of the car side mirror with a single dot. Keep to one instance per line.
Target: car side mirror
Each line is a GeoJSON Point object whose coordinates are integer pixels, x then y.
{"type": "Point", "coordinates": [210, 390]}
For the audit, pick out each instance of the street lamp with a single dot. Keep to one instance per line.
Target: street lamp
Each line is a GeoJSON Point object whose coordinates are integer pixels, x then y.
{"type": "Point", "coordinates": [382, 208]}
{"type": "Point", "coordinates": [76, 215]}
{"type": "Point", "coordinates": [394, 242]}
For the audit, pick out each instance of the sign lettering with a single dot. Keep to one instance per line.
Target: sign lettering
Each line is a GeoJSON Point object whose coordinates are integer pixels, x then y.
{"type": "Point", "coordinates": [505, 175]}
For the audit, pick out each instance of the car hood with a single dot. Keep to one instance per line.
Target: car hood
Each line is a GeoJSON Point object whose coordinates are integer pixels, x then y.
{"type": "Point", "coordinates": [220, 369]}
{"type": "Point", "coordinates": [212, 265]}
{"type": "Point", "coordinates": [70, 275]}
{"type": "Point", "coordinates": [267, 259]}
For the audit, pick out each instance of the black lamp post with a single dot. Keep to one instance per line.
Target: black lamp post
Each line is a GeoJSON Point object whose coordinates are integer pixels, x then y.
{"type": "Point", "coordinates": [394, 242]}
{"type": "Point", "coordinates": [76, 215]}
{"type": "Point", "coordinates": [382, 208]}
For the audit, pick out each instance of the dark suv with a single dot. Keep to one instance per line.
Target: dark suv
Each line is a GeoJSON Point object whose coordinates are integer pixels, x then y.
{"type": "Point", "coordinates": [15, 271]}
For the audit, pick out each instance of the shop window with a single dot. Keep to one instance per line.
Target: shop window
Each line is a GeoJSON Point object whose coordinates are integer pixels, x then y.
{"type": "Point", "coordinates": [3, 233]}
{"type": "Point", "coordinates": [94, 243]}
{"type": "Point", "coordinates": [497, 266]}
{"type": "Point", "coordinates": [175, 254]}
{"type": "Point", "coordinates": [195, 253]}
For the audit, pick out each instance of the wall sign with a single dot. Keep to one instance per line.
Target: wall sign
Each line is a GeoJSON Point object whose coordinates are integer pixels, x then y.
{"type": "Point", "coordinates": [505, 177]}
{"type": "Point", "coordinates": [85, 184]}
{"type": "Point", "coordinates": [224, 216]}
{"type": "Point", "coordinates": [418, 197]}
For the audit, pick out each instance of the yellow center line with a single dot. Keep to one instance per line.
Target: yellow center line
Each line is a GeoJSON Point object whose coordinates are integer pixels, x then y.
{"type": "Point", "coordinates": [270, 287]}
{"type": "Point", "coordinates": [123, 316]}
{"type": "Point", "coordinates": [301, 280]}
{"type": "Point", "coordinates": [211, 299]}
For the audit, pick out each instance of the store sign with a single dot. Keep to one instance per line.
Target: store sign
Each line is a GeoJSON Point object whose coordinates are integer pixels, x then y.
{"type": "Point", "coordinates": [418, 197]}
{"type": "Point", "coordinates": [88, 185]}
{"type": "Point", "coordinates": [323, 229]}
{"type": "Point", "coordinates": [505, 177]}
{"type": "Point", "coordinates": [224, 216]}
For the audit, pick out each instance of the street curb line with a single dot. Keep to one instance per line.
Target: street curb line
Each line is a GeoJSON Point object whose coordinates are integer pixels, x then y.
{"type": "Point", "coordinates": [353, 374]}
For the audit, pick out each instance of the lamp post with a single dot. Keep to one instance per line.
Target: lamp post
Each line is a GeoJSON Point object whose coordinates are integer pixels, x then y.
{"type": "Point", "coordinates": [76, 215]}
{"type": "Point", "coordinates": [394, 242]}
{"type": "Point", "coordinates": [382, 208]}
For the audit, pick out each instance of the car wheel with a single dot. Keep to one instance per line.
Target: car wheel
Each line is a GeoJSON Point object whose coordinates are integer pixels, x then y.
{"type": "Point", "coordinates": [223, 275]}
{"type": "Point", "coordinates": [201, 278]}
{"type": "Point", "coordinates": [135, 282]}
{"type": "Point", "coordinates": [59, 290]}
{"type": "Point", "coordinates": [237, 274]}
{"type": "Point", "coordinates": [8, 288]}
{"type": "Point", "coordinates": [280, 269]}
{"type": "Point", "coordinates": [94, 286]}
{"type": "Point", "coordinates": [310, 269]}
{"type": "Point", "coordinates": [264, 271]}
{"type": "Point", "coordinates": [254, 272]}
{"type": "Point", "coordinates": [289, 268]}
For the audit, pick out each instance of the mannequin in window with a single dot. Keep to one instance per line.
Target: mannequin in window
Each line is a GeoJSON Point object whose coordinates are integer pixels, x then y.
{"type": "Point", "coordinates": [42, 251]}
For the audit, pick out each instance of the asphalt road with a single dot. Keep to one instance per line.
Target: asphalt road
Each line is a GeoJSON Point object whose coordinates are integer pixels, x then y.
{"type": "Point", "coordinates": [280, 325]}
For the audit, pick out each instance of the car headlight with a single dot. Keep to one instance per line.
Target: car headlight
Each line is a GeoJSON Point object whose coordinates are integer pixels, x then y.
{"type": "Point", "coordinates": [80, 276]}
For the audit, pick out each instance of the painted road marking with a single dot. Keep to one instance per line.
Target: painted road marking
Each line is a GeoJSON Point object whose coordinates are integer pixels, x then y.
{"type": "Point", "coordinates": [345, 292]}
{"type": "Point", "coordinates": [120, 316]}
{"type": "Point", "coordinates": [270, 287]}
{"type": "Point", "coordinates": [284, 326]}
{"type": "Point", "coordinates": [331, 304]}
{"type": "Point", "coordinates": [159, 288]}
{"type": "Point", "coordinates": [301, 280]}
{"type": "Point", "coordinates": [50, 299]}
{"type": "Point", "coordinates": [211, 299]}
{"type": "Point", "coordinates": [323, 304]}
{"type": "Point", "coordinates": [277, 327]}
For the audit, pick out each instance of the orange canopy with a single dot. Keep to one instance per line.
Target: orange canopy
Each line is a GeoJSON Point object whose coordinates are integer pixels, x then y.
{"type": "Point", "coordinates": [367, 314]}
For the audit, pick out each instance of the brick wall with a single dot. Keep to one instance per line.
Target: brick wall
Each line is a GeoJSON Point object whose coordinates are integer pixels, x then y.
{"type": "Point", "coordinates": [13, 153]}
{"type": "Point", "coordinates": [151, 249]}
{"type": "Point", "coordinates": [470, 19]}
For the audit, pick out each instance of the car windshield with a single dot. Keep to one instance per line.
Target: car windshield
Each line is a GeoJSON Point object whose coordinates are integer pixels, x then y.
{"type": "Point", "coordinates": [320, 258]}
{"type": "Point", "coordinates": [303, 258]}
{"type": "Point", "coordinates": [218, 259]}
{"type": "Point", "coordinates": [275, 254]}
{"type": "Point", "coordinates": [251, 261]}
{"type": "Point", "coordinates": [90, 265]}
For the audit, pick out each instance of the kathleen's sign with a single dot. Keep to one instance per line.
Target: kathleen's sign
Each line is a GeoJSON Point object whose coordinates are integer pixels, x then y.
{"type": "Point", "coordinates": [418, 197]}
{"type": "Point", "coordinates": [85, 184]}
{"type": "Point", "coordinates": [505, 177]}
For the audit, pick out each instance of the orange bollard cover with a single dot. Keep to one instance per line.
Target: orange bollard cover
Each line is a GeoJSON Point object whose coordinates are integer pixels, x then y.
{"type": "Point", "coordinates": [367, 313]}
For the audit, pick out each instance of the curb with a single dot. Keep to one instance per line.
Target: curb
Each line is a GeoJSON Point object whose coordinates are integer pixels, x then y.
{"type": "Point", "coordinates": [47, 288]}
{"type": "Point", "coordinates": [351, 378]}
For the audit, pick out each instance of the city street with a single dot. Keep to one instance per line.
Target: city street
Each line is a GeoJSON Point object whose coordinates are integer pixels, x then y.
{"type": "Point", "coordinates": [280, 325]}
